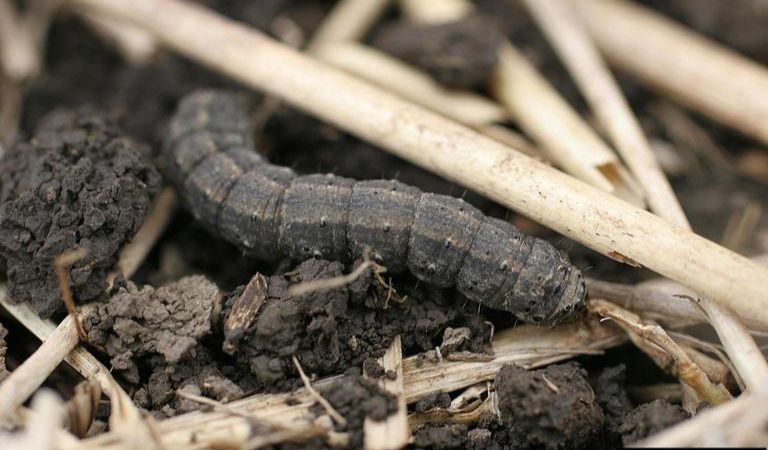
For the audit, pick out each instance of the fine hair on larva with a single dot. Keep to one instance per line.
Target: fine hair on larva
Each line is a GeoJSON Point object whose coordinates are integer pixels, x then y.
{"type": "Point", "coordinates": [269, 211]}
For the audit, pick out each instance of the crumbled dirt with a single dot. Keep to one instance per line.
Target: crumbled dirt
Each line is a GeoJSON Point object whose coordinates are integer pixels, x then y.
{"type": "Point", "coordinates": [433, 401]}
{"type": "Point", "coordinates": [612, 396]}
{"type": "Point", "coordinates": [551, 408]}
{"type": "Point", "coordinates": [3, 349]}
{"type": "Point", "coordinates": [200, 373]}
{"type": "Point", "coordinates": [445, 437]}
{"type": "Point", "coordinates": [650, 418]}
{"type": "Point", "coordinates": [334, 330]}
{"type": "Point", "coordinates": [355, 398]}
{"type": "Point", "coordinates": [460, 54]}
{"type": "Point", "coordinates": [79, 183]}
{"type": "Point", "coordinates": [167, 321]}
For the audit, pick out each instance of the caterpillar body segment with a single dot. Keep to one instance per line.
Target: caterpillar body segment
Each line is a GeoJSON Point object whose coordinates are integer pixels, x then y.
{"type": "Point", "coordinates": [269, 212]}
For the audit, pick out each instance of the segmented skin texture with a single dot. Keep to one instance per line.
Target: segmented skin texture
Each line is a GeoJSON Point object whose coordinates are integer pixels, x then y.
{"type": "Point", "coordinates": [269, 211]}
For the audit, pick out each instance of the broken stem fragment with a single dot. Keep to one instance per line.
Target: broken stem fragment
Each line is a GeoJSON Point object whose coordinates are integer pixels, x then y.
{"type": "Point", "coordinates": [655, 342]}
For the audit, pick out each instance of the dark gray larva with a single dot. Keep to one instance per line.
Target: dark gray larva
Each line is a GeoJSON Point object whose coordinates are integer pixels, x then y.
{"type": "Point", "coordinates": [269, 211]}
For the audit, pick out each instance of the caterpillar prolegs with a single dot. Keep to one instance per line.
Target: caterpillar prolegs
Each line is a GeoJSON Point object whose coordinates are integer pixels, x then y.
{"type": "Point", "coordinates": [270, 211]}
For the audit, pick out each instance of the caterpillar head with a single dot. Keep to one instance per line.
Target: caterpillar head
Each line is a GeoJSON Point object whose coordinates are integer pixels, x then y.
{"type": "Point", "coordinates": [549, 289]}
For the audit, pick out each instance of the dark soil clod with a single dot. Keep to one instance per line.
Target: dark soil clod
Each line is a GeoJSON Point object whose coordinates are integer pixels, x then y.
{"type": "Point", "coordinates": [78, 183]}
{"type": "Point", "coordinates": [460, 54]}
{"type": "Point", "coordinates": [3, 349]}
{"type": "Point", "coordinates": [650, 418]}
{"type": "Point", "coordinates": [167, 321]}
{"type": "Point", "coordinates": [551, 408]}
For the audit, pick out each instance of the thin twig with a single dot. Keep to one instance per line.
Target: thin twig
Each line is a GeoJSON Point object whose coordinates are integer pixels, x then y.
{"type": "Point", "coordinates": [595, 81]}
{"type": "Point", "coordinates": [320, 399]}
{"type": "Point", "coordinates": [590, 216]}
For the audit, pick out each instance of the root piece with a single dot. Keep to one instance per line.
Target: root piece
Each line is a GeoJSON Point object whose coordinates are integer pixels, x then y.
{"type": "Point", "coordinates": [576, 49]}
{"type": "Point", "coordinates": [328, 284]}
{"type": "Point", "coordinates": [600, 221]}
{"type": "Point", "coordinates": [392, 433]}
{"type": "Point", "coordinates": [60, 266]}
{"type": "Point", "coordinates": [664, 351]}
{"type": "Point", "coordinates": [697, 72]}
{"type": "Point", "coordinates": [323, 402]}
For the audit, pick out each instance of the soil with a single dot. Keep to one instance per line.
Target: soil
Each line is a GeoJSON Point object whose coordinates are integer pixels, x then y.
{"type": "Point", "coordinates": [648, 419]}
{"type": "Point", "coordinates": [3, 350]}
{"type": "Point", "coordinates": [550, 408]}
{"type": "Point", "coordinates": [460, 54]}
{"type": "Point", "coordinates": [610, 388]}
{"type": "Point", "coordinates": [79, 183]}
{"type": "Point", "coordinates": [168, 321]}
{"type": "Point", "coordinates": [334, 330]}
{"type": "Point", "coordinates": [88, 176]}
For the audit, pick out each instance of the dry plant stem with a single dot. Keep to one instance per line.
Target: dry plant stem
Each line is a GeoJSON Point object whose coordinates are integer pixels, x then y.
{"type": "Point", "coordinates": [653, 340]}
{"type": "Point", "coordinates": [697, 72]}
{"type": "Point", "coordinates": [134, 253]}
{"type": "Point", "coordinates": [19, 55]}
{"type": "Point", "coordinates": [410, 83]}
{"type": "Point", "coordinates": [583, 213]}
{"type": "Point", "coordinates": [435, 10]}
{"type": "Point", "coordinates": [659, 299]}
{"type": "Point", "coordinates": [743, 351]}
{"type": "Point", "coordinates": [393, 432]}
{"type": "Point", "coordinates": [349, 20]}
{"type": "Point", "coordinates": [31, 374]}
{"type": "Point", "coordinates": [562, 135]}
{"type": "Point", "coordinates": [576, 49]}
{"type": "Point", "coordinates": [79, 358]}
{"type": "Point", "coordinates": [527, 345]}
{"type": "Point", "coordinates": [338, 418]}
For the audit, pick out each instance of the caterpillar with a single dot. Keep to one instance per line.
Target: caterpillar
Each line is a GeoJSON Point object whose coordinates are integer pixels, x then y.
{"type": "Point", "coordinates": [269, 211]}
